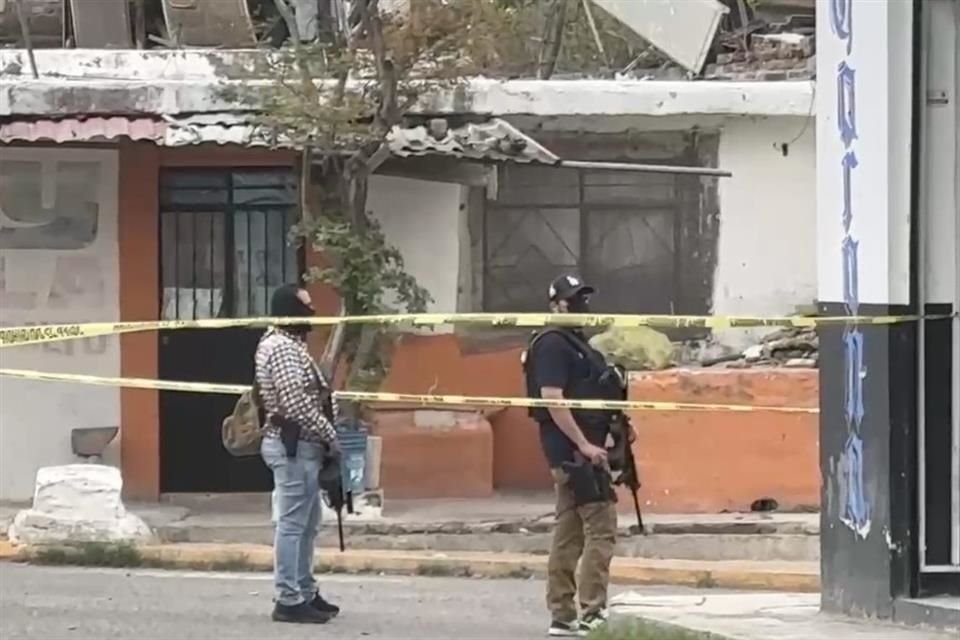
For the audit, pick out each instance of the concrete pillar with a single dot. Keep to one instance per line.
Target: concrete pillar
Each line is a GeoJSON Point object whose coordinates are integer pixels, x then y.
{"type": "Point", "coordinates": [865, 98]}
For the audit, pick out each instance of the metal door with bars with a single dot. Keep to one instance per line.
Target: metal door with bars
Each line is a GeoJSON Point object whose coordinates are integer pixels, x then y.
{"type": "Point", "coordinates": [224, 238]}
{"type": "Point", "coordinates": [622, 232]}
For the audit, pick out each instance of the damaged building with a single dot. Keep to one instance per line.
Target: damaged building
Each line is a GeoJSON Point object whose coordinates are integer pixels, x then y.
{"type": "Point", "coordinates": [135, 186]}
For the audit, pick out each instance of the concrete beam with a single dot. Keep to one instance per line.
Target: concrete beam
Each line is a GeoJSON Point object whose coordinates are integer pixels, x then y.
{"type": "Point", "coordinates": [172, 82]}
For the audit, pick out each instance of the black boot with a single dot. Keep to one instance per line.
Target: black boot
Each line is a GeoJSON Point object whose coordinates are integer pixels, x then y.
{"type": "Point", "coordinates": [301, 613]}
{"type": "Point", "coordinates": [323, 606]}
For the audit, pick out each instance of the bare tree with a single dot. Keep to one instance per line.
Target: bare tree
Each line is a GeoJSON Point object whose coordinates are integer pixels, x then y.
{"type": "Point", "coordinates": [339, 98]}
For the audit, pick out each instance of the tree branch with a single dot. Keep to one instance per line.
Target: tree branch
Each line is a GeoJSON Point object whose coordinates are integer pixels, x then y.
{"type": "Point", "coordinates": [387, 115]}
{"type": "Point", "coordinates": [552, 39]}
{"type": "Point", "coordinates": [27, 40]}
{"type": "Point", "coordinates": [306, 79]}
{"type": "Point", "coordinates": [596, 34]}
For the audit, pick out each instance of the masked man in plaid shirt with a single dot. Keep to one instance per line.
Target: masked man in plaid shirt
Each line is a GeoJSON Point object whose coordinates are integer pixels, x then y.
{"type": "Point", "coordinates": [299, 432]}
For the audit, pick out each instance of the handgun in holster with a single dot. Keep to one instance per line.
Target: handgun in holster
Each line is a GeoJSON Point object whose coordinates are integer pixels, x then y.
{"type": "Point", "coordinates": [590, 484]}
{"type": "Point", "coordinates": [290, 429]}
{"type": "Point", "coordinates": [289, 433]}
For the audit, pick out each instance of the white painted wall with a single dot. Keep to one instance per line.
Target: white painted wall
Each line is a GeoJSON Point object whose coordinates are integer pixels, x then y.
{"type": "Point", "coordinates": [941, 169]}
{"type": "Point", "coordinates": [766, 254]}
{"type": "Point", "coordinates": [44, 285]}
{"type": "Point", "coordinates": [879, 190]}
{"type": "Point", "coordinates": [422, 220]}
{"type": "Point", "coordinates": [766, 262]}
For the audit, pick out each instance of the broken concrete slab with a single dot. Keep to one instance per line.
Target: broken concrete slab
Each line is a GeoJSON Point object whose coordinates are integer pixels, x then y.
{"type": "Point", "coordinates": [78, 503]}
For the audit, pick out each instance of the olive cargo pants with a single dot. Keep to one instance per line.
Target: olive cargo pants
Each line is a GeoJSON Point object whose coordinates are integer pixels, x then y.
{"type": "Point", "coordinates": [586, 534]}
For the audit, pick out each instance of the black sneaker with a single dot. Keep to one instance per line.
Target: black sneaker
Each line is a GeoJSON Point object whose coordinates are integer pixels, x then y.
{"type": "Point", "coordinates": [323, 606]}
{"type": "Point", "coordinates": [301, 613]}
{"type": "Point", "coordinates": [592, 621]}
{"type": "Point", "coordinates": [565, 630]}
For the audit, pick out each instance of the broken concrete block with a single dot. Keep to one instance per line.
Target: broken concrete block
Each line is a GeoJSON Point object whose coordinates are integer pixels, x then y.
{"type": "Point", "coordinates": [367, 507]}
{"type": "Point", "coordinates": [785, 44]}
{"type": "Point", "coordinates": [753, 353]}
{"type": "Point", "coordinates": [434, 419]}
{"type": "Point", "coordinates": [372, 466]}
{"type": "Point", "coordinates": [78, 503]}
{"type": "Point", "coordinates": [635, 348]}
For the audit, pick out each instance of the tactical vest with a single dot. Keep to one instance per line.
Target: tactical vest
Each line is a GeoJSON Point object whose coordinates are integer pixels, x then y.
{"type": "Point", "coordinates": [599, 382]}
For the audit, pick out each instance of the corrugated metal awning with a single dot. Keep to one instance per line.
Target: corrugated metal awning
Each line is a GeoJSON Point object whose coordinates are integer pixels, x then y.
{"type": "Point", "coordinates": [494, 140]}
{"type": "Point", "coordinates": [96, 129]}
{"type": "Point", "coordinates": [491, 141]}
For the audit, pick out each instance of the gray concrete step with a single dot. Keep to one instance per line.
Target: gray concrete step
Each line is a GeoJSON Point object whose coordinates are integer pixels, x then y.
{"type": "Point", "coordinates": [511, 523]}
{"type": "Point", "coordinates": [786, 547]}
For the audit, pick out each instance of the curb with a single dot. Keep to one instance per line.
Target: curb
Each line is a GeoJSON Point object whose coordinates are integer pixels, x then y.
{"type": "Point", "coordinates": [8, 551]}
{"type": "Point", "coordinates": [775, 576]}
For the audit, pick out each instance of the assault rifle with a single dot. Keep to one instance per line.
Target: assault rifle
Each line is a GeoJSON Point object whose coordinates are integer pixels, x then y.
{"type": "Point", "coordinates": [621, 459]}
{"type": "Point", "coordinates": [331, 484]}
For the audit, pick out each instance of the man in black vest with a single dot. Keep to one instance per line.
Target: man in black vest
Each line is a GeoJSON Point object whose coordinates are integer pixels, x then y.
{"type": "Point", "coordinates": [559, 363]}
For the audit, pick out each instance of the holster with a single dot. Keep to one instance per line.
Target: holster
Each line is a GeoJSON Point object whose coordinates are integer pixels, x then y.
{"type": "Point", "coordinates": [590, 484]}
{"type": "Point", "coordinates": [289, 434]}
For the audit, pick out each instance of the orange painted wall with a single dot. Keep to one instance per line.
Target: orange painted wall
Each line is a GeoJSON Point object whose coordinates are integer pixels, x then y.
{"type": "Point", "coordinates": [705, 462]}
{"type": "Point", "coordinates": [697, 462]}
{"type": "Point", "coordinates": [139, 240]}
{"type": "Point", "coordinates": [454, 461]}
{"type": "Point", "coordinates": [691, 462]}
{"type": "Point", "coordinates": [139, 226]}
{"type": "Point", "coordinates": [436, 364]}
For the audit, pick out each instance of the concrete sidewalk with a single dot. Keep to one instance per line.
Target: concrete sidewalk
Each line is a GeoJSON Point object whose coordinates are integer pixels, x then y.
{"type": "Point", "coordinates": [503, 510]}
{"type": "Point", "coordinates": [758, 616]}
{"type": "Point", "coordinates": [507, 536]}
{"type": "Point", "coordinates": [792, 576]}
{"type": "Point", "coordinates": [513, 523]}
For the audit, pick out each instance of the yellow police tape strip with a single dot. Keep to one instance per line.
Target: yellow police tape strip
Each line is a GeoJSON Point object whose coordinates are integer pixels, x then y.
{"type": "Point", "coordinates": [24, 335]}
{"type": "Point", "coordinates": [400, 398]}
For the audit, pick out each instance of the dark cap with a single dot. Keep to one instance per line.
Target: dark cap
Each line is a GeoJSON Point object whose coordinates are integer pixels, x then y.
{"type": "Point", "coordinates": [565, 287]}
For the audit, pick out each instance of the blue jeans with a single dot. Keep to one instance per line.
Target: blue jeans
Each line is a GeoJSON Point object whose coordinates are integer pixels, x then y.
{"type": "Point", "coordinates": [297, 485]}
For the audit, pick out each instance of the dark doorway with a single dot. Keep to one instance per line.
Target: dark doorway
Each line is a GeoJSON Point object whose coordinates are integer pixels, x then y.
{"type": "Point", "coordinates": [224, 248]}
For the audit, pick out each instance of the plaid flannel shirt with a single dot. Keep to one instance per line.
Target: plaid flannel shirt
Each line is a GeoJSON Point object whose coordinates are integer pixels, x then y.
{"type": "Point", "coordinates": [288, 379]}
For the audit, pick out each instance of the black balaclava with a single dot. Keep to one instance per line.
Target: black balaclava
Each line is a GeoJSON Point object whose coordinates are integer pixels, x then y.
{"type": "Point", "coordinates": [286, 304]}
{"type": "Point", "coordinates": [579, 303]}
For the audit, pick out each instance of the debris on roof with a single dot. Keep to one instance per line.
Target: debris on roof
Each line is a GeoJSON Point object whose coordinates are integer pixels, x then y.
{"type": "Point", "coordinates": [789, 347]}
{"type": "Point", "coordinates": [769, 41]}
{"type": "Point", "coordinates": [495, 140]}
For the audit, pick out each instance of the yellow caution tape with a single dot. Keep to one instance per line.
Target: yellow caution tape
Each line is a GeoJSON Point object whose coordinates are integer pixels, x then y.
{"type": "Point", "coordinates": [25, 335]}
{"type": "Point", "coordinates": [402, 398]}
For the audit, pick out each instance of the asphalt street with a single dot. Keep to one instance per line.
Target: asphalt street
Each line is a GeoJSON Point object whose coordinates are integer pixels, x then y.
{"type": "Point", "coordinates": [62, 602]}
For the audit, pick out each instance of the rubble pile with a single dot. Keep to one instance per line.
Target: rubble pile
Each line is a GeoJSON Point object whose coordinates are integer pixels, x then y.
{"type": "Point", "coordinates": [765, 41]}
{"type": "Point", "coordinates": [791, 347]}
{"type": "Point", "coordinates": [771, 57]}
